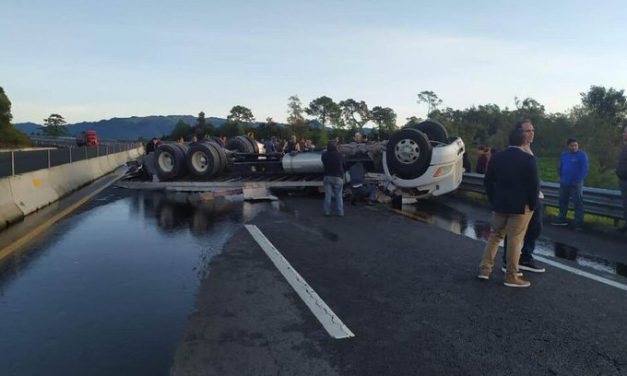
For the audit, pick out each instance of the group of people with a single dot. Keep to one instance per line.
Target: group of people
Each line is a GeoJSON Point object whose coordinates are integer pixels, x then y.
{"type": "Point", "coordinates": [512, 185]}
{"type": "Point", "coordinates": [292, 145]}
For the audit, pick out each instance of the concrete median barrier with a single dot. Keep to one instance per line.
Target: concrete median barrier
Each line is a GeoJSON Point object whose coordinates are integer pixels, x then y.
{"type": "Point", "coordinates": [23, 194]}
{"type": "Point", "coordinates": [9, 212]}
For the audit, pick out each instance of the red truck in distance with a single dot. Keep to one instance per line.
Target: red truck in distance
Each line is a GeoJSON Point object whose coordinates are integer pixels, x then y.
{"type": "Point", "coordinates": [87, 138]}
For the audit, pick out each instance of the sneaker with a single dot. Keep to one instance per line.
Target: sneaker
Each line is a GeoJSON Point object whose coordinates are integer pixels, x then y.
{"type": "Point", "coordinates": [483, 275]}
{"type": "Point", "coordinates": [516, 282]}
{"type": "Point", "coordinates": [559, 222]}
{"type": "Point", "coordinates": [518, 273]}
{"type": "Point", "coordinates": [531, 266]}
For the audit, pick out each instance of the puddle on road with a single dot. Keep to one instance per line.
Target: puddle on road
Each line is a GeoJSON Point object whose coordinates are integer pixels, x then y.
{"type": "Point", "coordinates": [108, 289]}
{"type": "Point", "coordinates": [455, 221]}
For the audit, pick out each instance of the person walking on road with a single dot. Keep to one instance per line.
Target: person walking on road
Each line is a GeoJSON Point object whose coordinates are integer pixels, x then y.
{"type": "Point", "coordinates": [573, 168]}
{"type": "Point", "coordinates": [512, 186]}
{"type": "Point", "coordinates": [534, 229]}
{"type": "Point", "coordinates": [621, 172]}
{"type": "Point", "coordinates": [333, 162]}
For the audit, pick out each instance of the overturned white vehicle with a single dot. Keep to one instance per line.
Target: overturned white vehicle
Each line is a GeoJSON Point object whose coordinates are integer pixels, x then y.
{"type": "Point", "coordinates": [420, 161]}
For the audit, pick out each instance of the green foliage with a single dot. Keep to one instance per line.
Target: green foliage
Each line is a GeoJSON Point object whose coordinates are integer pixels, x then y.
{"type": "Point", "coordinates": [295, 111]}
{"type": "Point", "coordinates": [181, 130]}
{"type": "Point", "coordinates": [605, 103]}
{"type": "Point", "coordinates": [431, 99]}
{"type": "Point", "coordinates": [325, 110]}
{"type": "Point", "coordinates": [5, 110]}
{"type": "Point", "coordinates": [241, 115]}
{"type": "Point", "coordinates": [385, 118]}
{"type": "Point", "coordinates": [55, 126]}
{"type": "Point", "coordinates": [354, 114]}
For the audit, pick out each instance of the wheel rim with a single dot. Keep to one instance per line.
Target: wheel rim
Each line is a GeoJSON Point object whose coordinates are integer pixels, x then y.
{"type": "Point", "coordinates": [166, 162]}
{"type": "Point", "coordinates": [200, 161]}
{"type": "Point", "coordinates": [407, 151]}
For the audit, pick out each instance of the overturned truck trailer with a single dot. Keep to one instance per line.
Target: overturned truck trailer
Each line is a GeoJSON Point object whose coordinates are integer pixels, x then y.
{"type": "Point", "coordinates": [421, 161]}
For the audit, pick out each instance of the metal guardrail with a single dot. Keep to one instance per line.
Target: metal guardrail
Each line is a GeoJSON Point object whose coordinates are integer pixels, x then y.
{"type": "Point", "coordinates": [604, 202]}
{"type": "Point", "coordinates": [65, 142]}
{"type": "Point", "coordinates": [19, 162]}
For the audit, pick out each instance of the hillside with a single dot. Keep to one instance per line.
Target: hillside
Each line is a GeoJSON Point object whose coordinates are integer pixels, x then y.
{"type": "Point", "coordinates": [126, 128]}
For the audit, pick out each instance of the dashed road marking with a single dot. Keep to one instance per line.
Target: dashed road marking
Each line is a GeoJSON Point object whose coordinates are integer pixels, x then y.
{"type": "Point", "coordinates": [329, 320]}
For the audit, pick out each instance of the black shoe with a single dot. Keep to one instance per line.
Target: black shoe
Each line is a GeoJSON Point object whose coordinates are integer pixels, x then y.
{"type": "Point", "coordinates": [530, 266]}
{"type": "Point", "coordinates": [559, 222]}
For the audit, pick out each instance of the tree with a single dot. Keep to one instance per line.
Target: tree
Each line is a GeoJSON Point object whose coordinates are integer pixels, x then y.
{"type": "Point", "coordinates": [385, 118]}
{"type": "Point", "coordinates": [9, 136]}
{"type": "Point", "coordinates": [325, 110]}
{"type": "Point", "coordinates": [241, 115]}
{"type": "Point", "coordinates": [354, 114]}
{"type": "Point", "coordinates": [181, 130]}
{"type": "Point", "coordinates": [55, 125]}
{"type": "Point", "coordinates": [203, 127]}
{"type": "Point", "coordinates": [430, 98]}
{"type": "Point", "coordinates": [607, 104]}
{"type": "Point", "coordinates": [5, 109]}
{"type": "Point", "coordinates": [294, 110]}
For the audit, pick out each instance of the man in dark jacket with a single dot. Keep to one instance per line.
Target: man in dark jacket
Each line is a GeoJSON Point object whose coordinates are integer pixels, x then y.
{"type": "Point", "coordinates": [621, 171]}
{"type": "Point", "coordinates": [333, 162]}
{"type": "Point", "coordinates": [512, 186]}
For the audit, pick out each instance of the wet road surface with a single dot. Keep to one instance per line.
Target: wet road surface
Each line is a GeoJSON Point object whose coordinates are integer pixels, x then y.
{"type": "Point", "coordinates": [147, 284]}
{"type": "Point", "coordinates": [107, 291]}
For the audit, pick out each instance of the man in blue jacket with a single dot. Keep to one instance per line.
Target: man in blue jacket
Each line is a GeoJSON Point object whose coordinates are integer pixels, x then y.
{"type": "Point", "coordinates": [512, 186]}
{"type": "Point", "coordinates": [573, 168]}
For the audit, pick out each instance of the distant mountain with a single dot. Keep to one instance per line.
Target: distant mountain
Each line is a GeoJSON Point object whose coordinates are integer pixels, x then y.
{"type": "Point", "coordinates": [127, 128]}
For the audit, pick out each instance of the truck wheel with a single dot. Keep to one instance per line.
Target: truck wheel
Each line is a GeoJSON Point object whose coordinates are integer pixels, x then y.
{"type": "Point", "coordinates": [170, 161]}
{"type": "Point", "coordinates": [218, 140]}
{"type": "Point", "coordinates": [253, 143]}
{"type": "Point", "coordinates": [221, 154]}
{"type": "Point", "coordinates": [433, 129]}
{"type": "Point", "coordinates": [203, 160]}
{"type": "Point", "coordinates": [408, 153]}
{"type": "Point", "coordinates": [240, 144]}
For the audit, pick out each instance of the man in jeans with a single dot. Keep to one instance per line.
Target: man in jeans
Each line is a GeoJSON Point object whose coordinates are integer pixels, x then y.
{"type": "Point", "coordinates": [621, 172]}
{"type": "Point", "coordinates": [512, 186]}
{"type": "Point", "coordinates": [573, 168]}
{"type": "Point", "coordinates": [333, 162]}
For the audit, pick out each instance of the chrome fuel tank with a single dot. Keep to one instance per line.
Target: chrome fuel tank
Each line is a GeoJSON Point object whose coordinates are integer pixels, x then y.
{"type": "Point", "coordinates": [303, 163]}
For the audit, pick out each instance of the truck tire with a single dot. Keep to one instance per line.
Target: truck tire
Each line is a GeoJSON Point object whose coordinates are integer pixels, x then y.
{"type": "Point", "coordinates": [221, 154]}
{"type": "Point", "coordinates": [217, 140]}
{"type": "Point", "coordinates": [203, 160]}
{"type": "Point", "coordinates": [170, 160]}
{"type": "Point", "coordinates": [408, 153]}
{"type": "Point", "coordinates": [240, 144]}
{"type": "Point", "coordinates": [433, 129]}
{"type": "Point", "coordinates": [253, 143]}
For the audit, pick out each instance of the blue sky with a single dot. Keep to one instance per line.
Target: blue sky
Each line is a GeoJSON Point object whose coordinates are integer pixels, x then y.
{"type": "Point", "coordinates": [91, 60]}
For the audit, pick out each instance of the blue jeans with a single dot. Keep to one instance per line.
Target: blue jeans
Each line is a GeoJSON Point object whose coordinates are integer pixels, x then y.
{"type": "Point", "coordinates": [533, 233]}
{"type": "Point", "coordinates": [333, 186]}
{"type": "Point", "coordinates": [576, 191]}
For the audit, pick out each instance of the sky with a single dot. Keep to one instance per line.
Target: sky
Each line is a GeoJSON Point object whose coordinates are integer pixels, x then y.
{"type": "Point", "coordinates": [89, 60]}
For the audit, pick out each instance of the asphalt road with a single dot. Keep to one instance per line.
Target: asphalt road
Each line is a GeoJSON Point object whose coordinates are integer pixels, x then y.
{"type": "Point", "coordinates": [409, 293]}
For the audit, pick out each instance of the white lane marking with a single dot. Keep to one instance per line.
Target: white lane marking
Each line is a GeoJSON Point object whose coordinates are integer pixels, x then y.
{"type": "Point", "coordinates": [329, 320]}
{"type": "Point", "coordinates": [582, 273]}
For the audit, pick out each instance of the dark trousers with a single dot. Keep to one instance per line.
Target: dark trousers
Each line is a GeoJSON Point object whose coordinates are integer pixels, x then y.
{"type": "Point", "coordinates": [623, 189]}
{"type": "Point", "coordinates": [533, 233]}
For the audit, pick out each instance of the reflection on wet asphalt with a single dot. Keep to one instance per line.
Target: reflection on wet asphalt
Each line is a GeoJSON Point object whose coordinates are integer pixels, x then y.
{"type": "Point", "coordinates": [108, 289]}
{"type": "Point", "coordinates": [455, 221]}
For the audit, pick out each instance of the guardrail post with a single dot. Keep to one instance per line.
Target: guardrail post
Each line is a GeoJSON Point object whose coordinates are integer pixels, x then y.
{"type": "Point", "coordinates": [107, 149]}
{"type": "Point", "coordinates": [12, 164]}
{"type": "Point", "coordinates": [48, 158]}
{"type": "Point", "coordinates": [70, 155]}
{"type": "Point", "coordinates": [85, 148]}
